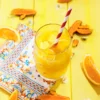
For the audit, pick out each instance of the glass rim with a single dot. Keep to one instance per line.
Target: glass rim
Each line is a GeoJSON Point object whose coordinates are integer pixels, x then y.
{"type": "Point", "coordinates": [37, 32]}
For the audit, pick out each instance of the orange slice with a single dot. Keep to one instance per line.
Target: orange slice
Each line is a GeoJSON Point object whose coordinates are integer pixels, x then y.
{"type": "Point", "coordinates": [90, 70]}
{"type": "Point", "coordinates": [9, 34]}
{"type": "Point", "coordinates": [14, 95]}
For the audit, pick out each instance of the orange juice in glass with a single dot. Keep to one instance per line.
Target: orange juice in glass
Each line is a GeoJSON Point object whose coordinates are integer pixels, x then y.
{"type": "Point", "coordinates": [52, 62]}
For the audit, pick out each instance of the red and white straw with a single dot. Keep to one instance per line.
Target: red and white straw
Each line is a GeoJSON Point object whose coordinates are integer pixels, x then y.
{"type": "Point", "coordinates": [62, 26]}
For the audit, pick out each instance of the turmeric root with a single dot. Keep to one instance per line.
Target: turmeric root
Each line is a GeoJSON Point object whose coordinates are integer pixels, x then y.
{"type": "Point", "coordinates": [23, 12]}
{"type": "Point", "coordinates": [80, 29]}
{"type": "Point", "coordinates": [52, 97]}
{"type": "Point", "coordinates": [63, 1]}
{"type": "Point", "coordinates": [75, 42]}
{"type": "Point", "coordinates": [84, 31]}
{"type": "Point", "coordinates": [74, 27]}
{"type": "Point", "coordinates": [83, 27]}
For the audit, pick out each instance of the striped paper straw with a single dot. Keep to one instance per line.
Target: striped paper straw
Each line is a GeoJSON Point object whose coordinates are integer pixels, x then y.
{"type": "Point", "coordinates": [62, 26]}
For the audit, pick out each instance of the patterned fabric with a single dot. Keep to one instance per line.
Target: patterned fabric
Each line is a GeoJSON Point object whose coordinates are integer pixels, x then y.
{"type": "Point", "coordinates": [17, 70]}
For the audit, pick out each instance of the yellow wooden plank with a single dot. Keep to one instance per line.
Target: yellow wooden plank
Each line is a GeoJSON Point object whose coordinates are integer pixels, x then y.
{"type": "Point", "coordinates": [87, 11]}
{"type": "Point", "coordinates": [13, 21]}
{"type": "Point", "coordinates": [6, 20]}
{"type": "Point", "coordinates": [3, 95]}
{"type": "Point", "coordinates": [49, 11]}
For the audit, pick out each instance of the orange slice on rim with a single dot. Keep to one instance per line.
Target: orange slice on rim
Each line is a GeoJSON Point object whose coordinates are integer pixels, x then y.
{"type": "Point", "coordinates": [9, 34]}
{"type": "Point", "coordinates": [14, 95]}
{"type": "Point", "coordinates": [90, 70]}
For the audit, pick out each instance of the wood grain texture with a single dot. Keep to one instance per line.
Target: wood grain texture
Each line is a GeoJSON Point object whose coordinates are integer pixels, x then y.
{"type": "Point", "coordinates": [87, 11]}
{"type": "Point", "coordinates": [49, 11]}
{"type": "Point", "coordinates": [12, 21]}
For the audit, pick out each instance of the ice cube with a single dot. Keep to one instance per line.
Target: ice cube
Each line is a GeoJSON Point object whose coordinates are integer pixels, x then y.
{"type": "Point", "coordinates": [52, 39]}
{"type": "Point", "coordinates": [44, 45]}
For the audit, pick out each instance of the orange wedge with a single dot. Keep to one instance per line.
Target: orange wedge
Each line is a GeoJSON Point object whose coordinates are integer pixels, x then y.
{"type": "Point", "coordinates": [9, 34]}
{"type": "Point", "coordinates": [90, 70]}
{"type": "Point", "coordinates": [14, 95]}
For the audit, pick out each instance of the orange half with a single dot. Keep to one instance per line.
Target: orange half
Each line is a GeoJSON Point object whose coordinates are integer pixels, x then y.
{"type": "Point", "coordinates": [14, 95]}
{"type": "Point", "coordinates": [90, 70]}
{"type": "Point", "coordinates": [9, 34]}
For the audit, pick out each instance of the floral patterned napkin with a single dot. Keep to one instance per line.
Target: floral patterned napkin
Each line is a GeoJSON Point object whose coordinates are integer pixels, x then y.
{"type": "Point", "coordinates": [17, 67]}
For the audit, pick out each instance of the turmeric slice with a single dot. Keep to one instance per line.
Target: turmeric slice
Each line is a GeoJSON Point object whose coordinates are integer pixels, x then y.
{"type": "Point", "coordinates": [75, 42]}
{"type": "Point", "coordinates": [23, 12]}
{"type": "Point", "coordinates": [74, 27]}
{"type": "Point", "coordinates": [63, 1]}
{"type": "Point", "coordinates": [52, 97]}
{"type": "Point", "coordinates": [80, 29]}
{"type": "Point", "coordinates": [84, 31]}
{"type": "Point", "coordinates": [83, 27]}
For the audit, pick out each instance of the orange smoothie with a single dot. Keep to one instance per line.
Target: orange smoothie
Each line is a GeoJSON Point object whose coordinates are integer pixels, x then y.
{"type": "Point", "coordinates": [52, 62]}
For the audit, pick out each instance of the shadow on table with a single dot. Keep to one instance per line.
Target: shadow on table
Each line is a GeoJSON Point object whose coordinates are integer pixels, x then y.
{"type": "Point", "coordinates": [4, 91]}
{"type": "Point", "coordinates": [96, 88]}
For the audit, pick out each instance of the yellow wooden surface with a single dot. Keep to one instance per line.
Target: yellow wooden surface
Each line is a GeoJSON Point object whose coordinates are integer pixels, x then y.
{"type": "Point", "coordinates": [49, 11]}
{"type": "Point", "coordinates": [87, 11]}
